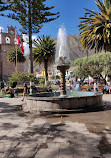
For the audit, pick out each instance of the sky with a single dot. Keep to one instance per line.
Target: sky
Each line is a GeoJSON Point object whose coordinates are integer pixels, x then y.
{"type": "Point", "coordinates": [70, 11]}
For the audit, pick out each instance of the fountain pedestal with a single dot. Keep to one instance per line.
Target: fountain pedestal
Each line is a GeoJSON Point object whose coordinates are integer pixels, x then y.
{"type": "Point", "coordinates": [63, 69]}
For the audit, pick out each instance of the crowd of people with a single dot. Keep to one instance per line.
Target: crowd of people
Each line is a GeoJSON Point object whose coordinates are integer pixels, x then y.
{"type": "Point", "coordinates": [76, 86]}
{"type": "Point", "coordinates": [12, 92]}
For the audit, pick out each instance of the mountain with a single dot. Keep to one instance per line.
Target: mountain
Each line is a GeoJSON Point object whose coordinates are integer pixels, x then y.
{"type": "Point", "coordinates": [76, 50]}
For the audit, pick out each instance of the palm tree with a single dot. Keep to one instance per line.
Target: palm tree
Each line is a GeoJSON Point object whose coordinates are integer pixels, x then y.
{"type": "Point", "coordinates": [12, 56]}
{"type": "Point", "coordinates": [44, 52]}
{"type": "Point", "coordinates": [96, 27]}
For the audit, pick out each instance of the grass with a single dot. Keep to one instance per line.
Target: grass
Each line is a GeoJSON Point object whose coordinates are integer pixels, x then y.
{"type": "Point", "coordinates": [54, 88]}
{"type": "Point", "coordinates": [1, 94]}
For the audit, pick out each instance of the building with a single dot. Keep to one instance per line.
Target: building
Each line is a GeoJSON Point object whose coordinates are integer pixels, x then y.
{"type": "Point", "coordinates": [7, 42]}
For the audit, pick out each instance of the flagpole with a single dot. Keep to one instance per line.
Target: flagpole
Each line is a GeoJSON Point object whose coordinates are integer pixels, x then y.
{"type": "Point", "coordinates": [16, 49]}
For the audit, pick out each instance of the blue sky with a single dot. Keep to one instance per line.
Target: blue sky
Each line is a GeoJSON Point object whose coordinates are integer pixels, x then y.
{"type": "Point", "coordinates": [69, 10]}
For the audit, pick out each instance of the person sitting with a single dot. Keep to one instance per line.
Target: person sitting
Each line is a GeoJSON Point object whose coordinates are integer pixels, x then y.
{"type": "Point", "coordinates": [7, 90]}
{"type": "Point", "coordinates": [49, 89]}
{"type": "Point", "coordinates": [10, 92]}
{"type": "Point", "coordinates": [106, 89]}
{"type": "Point", "coordinates": [88, 89]}
{"type": "Point", "coordinates": [35, 89]}
{"type": "Point", "coordinates": [16, 92]}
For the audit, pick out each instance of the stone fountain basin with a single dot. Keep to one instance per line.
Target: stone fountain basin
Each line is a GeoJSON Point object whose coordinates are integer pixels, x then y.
{"type": "Point", "coordinates": [50, 102]}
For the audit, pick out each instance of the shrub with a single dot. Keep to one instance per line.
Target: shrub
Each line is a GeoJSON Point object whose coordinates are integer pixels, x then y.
{"type": "Point", "coordinates": [21, 77]}
{"type": "Point", "coordinates": [52, 77]}
{"type": "Point", "coordinates": [42, 81]}
{"type": "Point", "coordinates": [48, 83]}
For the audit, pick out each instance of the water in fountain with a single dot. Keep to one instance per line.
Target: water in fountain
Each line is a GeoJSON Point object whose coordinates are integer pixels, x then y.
{"type": "Point", "coordinates": [62, 49]}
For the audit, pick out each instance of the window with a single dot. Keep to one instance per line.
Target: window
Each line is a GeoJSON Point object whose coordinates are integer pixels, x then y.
{"type": "Point", "coordinates": [12, 32]}
{"type": "Point", "coordinates": [8, 40]}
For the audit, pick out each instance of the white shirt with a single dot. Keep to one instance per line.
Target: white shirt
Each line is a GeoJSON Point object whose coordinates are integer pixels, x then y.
{"type": "Point", "coordinates": [95, 86]}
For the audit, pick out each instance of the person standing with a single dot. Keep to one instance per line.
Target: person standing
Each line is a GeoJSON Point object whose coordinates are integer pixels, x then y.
{"type": "Point", "coordinates": [78, 86]}
{"type": "Point", "coordinates": [96, 87]}
{"type": "Point", "coordinates": [25, 91]}
{"type": "Point", "coordinates": [2, 85]}
{"type": "Point", "coordinates": [106, 89]}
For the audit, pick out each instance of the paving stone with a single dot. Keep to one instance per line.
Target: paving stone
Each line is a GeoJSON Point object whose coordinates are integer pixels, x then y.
{"type": "Point", "coordinates": [47, 153]}
{"type": "Point", "coordinates": [23, 153]}
{"type": "Point", "coordinates": [60, 140]}
{"type": "Point", "coordinates": [26, 137]}
{"type": "Point", "coordinates": [66, 153]}
{"type": "Point", "coordinates": [91, 154]}
{"type": "Point", "coordinates": [107, 155]}
{"type": "Point", "coordinates": [78, 153]}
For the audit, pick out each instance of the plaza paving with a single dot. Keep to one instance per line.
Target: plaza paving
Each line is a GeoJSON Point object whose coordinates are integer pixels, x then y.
{"type": "Point", "coordinates": [74, 135]}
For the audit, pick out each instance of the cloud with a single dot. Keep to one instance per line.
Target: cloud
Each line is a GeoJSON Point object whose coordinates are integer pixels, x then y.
{"type": "Point", "coordinates": [34, 37]}
{"type": "Point", "coordinates": [25, 43]}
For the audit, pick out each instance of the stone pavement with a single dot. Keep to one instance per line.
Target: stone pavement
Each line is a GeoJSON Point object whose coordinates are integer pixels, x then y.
{"type": "Point", "coordinates": [24, 135]}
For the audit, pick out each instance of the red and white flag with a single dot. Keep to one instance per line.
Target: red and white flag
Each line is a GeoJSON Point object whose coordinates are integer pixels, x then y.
{"type": "Point", "coordinates": [19, 42]}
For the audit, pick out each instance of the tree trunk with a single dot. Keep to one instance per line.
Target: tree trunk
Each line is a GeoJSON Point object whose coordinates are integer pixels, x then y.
{"type": "Point", "coordinates": [46, 70]}
{"type": "Point", "coordinates": [15, 65]}
{"type": "Point", "coordinates": [30, 36]}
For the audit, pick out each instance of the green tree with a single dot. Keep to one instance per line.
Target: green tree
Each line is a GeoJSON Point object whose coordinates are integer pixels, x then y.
{"type": "Point", "coordinates": [12, 56]}
{"type": "Point", "coordinates": [81, 68]}
{"type": "Point", "coordinates": [22, 77]}
{"type": "Point", "coordinates": [31, 14]}
{"type": "Point", "coordinates": [95, 65]}
{"type": "Point", "coordinates": [4, 5]}
{"type": "Point", "coordinates": [95, 27]}
{"type": "Point", "coordinates": [44, 52]}
{"type": "Point", "coordinates": [106, 62]}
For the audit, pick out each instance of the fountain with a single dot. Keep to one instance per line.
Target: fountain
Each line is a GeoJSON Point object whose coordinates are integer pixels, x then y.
{"type": "Point", "coordinates": [60, 100]}
{"type": "Point", "coordinates": [62, 58]}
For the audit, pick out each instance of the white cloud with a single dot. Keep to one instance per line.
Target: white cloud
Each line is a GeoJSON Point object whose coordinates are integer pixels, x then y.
{"type": "Point", "coordinates": [34, 37]}
{"type": "Point", "coordinates": [26, 46]}
{"type": "Point", "coordinates": [25, 43]}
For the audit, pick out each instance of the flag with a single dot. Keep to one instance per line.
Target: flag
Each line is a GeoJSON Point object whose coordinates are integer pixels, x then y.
{"type": "Point", "coordinates": [22, 49]}
{"type": "Point", "coordinates": [19, 42]}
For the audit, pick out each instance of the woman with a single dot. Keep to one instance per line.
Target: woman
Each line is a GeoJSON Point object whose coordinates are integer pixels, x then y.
{"type": "Point", "coordinates": [25, 91]}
